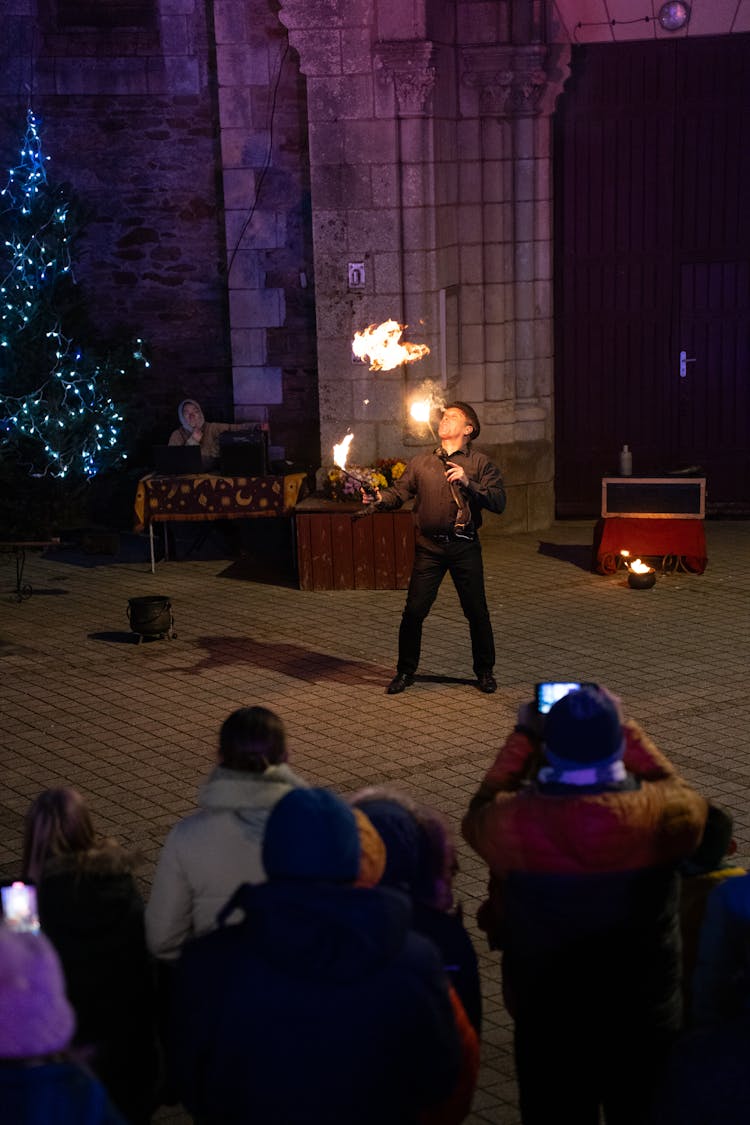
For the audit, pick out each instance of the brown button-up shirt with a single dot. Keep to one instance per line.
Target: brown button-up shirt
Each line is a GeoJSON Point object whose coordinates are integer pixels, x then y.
{"type": "Point", "coordinates": [435, 507]}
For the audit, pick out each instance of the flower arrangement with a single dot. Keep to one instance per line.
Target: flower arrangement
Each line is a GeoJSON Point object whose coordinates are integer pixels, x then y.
{"type": "Point", "coordinates": [384, 473]}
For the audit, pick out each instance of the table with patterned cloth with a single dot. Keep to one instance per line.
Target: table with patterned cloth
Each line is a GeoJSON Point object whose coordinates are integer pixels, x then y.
{"type": "Point", "coordinates": [210, 496]}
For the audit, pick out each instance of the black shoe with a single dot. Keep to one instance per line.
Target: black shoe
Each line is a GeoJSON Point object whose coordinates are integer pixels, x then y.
{"type": "Point", "coordinates": [487, 683]}
{"type": "Point", "coordinates": [400, 682]}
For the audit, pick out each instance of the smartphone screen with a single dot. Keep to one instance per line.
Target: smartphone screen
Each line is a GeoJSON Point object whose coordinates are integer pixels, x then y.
{"type": "Point", "coordinates": [549, 693]}
{"type": "Point", "coordinates": [19, 907]}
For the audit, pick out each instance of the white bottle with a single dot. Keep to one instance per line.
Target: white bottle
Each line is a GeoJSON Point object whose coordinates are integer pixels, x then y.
{"type": "Point", "coordinates": [626, 462]}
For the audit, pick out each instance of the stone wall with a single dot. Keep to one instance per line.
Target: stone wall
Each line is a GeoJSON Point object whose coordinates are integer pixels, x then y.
{"type": "Point", "coordinates": [507, 92]}
{"type": "Point", "coordinates": [238, 156]}
{"type": "Point", "coordinates": [431, 165]}
{"type": "Point", "coordinates": [128, 121]}
{"type": "Point", "coordinates": [157, 118]}
{"type": "Point", "coordinates": [264, 159]}
{"type": "Point", "coordinates": [372, 164]}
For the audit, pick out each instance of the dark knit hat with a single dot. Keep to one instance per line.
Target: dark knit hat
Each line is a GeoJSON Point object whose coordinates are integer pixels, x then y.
{"type": "Point", "coordinates": [583, 728]}
{"type": "Point", "coordinates": [35, 1016]}
{"type": "Point", "coordinates": [311, 834]}
{"type": "Point", "coordinates": [401, 835]}
{"type": "Point", "coordinates": [470, 414]}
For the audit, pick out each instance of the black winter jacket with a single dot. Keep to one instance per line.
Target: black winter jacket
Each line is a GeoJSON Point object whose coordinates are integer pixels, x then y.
{"type": "Point", "coordinates": [321, 1008]}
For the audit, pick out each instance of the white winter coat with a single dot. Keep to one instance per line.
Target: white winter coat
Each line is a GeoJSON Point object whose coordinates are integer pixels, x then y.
{"type": "Point", "coordinates": [210, 853]}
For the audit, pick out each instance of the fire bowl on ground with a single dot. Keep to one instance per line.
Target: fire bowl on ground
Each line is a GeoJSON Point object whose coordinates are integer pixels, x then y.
{"type": "Point", "coordinates": [641, 580]}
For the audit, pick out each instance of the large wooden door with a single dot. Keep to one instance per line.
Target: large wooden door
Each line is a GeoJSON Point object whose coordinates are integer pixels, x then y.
{"type": "Point", "coordinates": [652, 259]}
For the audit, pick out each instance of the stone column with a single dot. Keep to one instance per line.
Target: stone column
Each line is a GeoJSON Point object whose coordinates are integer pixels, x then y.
{"type": "Point", "coordinates": [507, 92]}
{"type": "Point", "coordinates": [248, 67]}
{"type": "Point", "coordinates": [406, 75]}
{"type": "Point", "coordinates": [371, 175]}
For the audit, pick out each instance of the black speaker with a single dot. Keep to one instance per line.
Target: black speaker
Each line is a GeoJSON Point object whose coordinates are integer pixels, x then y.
{"type": "Point", "coordinates": [244, 453]}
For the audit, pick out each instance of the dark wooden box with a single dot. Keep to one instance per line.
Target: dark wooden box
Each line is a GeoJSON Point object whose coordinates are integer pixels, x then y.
{"type": "Point", "coordinates": [335, 551]}
{"type": "Point", "coordinates": [654, 497]}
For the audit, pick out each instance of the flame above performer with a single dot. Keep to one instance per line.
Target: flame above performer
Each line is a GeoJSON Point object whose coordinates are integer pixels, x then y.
{"type": "Point", "coordinates": [380, 344]}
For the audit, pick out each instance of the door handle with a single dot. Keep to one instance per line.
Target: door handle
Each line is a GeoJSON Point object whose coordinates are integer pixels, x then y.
{"type": "Point", "coordinates": [684, 361]}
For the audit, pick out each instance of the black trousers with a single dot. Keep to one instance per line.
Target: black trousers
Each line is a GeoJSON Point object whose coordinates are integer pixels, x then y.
{"type": "Point", "coordinates": [569, 1069]}
{"type": "Point", "coordinates": [463, 559]}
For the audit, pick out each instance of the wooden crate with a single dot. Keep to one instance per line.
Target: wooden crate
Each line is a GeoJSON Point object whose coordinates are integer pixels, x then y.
{"type": "Point", "coordinates": [335, 551]}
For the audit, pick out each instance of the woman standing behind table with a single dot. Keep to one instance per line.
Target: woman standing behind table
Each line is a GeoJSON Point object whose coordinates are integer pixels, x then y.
{"type": "Point", "coordinates": [92, 912]}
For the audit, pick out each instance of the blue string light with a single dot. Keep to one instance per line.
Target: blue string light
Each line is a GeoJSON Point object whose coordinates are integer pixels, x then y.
{"type": "Point", "coordinates": [68, 423]}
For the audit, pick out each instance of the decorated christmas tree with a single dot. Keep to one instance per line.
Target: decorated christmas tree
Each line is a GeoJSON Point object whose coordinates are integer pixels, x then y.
{"type": "Point", "coordinates": [58, 411]}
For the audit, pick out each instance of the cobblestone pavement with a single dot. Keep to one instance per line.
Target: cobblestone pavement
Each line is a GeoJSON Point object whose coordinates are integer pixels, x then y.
{"type": "Point", "coordinates": [134, 727]}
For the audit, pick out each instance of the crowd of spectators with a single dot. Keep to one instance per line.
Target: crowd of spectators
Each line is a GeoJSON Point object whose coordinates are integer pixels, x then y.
{"type": "Point", "coordinates": [303, 959]}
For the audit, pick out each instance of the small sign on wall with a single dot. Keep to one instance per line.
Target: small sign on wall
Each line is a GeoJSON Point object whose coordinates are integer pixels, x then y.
{"type": "Point", "coordinates": [356, 275]}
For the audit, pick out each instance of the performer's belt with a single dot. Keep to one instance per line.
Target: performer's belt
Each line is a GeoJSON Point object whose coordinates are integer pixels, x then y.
{"type": "Point", "coordinates": [445, 537]}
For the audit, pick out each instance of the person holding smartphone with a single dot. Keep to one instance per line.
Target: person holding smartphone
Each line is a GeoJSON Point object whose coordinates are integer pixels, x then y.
{"type": "Point", "coordinates": [91, 910]}
{"type": "Point", "coordinates": [41, 1077]}
{"type": "Point", "coordinates": [582, 822]}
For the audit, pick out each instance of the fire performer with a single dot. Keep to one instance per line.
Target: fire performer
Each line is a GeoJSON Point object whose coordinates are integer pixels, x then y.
{"type": "Point", "coordinates": [451, 484]}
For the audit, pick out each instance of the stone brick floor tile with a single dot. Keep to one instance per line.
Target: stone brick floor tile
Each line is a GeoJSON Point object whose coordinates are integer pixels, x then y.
{"type": "Point", "coordinates": [135, 727]}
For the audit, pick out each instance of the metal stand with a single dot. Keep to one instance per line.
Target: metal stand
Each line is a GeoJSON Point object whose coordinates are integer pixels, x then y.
{"type": "Point", "coordinates": [25, 590]}
{"type": "Point", "coordinates": [151, 544]}
{"type": "Point", "coordinates": [667, 564]}
{"type": "Point", "coordinates": [22, 591]}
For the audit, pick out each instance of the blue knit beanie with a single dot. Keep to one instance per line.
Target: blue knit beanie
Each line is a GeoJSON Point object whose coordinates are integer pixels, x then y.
{"type": "Point", "coordinates": [583, 728]}
{"type": "Point", "coordinates": [311, 834]}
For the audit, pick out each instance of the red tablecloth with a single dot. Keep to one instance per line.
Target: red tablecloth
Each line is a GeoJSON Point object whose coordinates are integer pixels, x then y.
{"type": "Point", "coordinates": [683, 541]}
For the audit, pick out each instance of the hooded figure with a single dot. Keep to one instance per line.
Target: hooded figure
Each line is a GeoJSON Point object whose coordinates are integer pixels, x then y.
{"type": "Point", "coordinates": [195, 430]}
{"type": "Point", "coordinates": [322, 1007]}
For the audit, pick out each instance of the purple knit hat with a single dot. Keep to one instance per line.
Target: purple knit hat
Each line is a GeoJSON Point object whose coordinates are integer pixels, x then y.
{"type": "Point", "coordinates": [35, 1016]}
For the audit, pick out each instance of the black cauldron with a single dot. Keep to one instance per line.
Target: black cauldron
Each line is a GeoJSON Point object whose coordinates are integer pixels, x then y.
{"type": "Point", "coordinates": [151, 617]}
